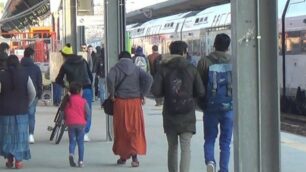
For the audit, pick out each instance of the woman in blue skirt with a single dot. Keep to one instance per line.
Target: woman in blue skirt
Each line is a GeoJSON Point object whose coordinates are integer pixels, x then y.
{"type": "Point", "coordinates": [16, 94]}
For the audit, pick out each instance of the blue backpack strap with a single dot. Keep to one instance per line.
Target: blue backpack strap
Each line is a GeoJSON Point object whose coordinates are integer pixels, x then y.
{"type": "Point", "coordinates": [214, 82]}
{"type": "Point", "coordinates": [229, 83]}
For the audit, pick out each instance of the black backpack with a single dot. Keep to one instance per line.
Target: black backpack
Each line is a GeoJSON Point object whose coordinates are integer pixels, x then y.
{"type": "Point", "coordinates": [178, 87]}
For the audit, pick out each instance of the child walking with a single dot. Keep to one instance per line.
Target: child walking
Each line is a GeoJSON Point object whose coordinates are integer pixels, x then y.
{"type": "Point", "coordinates": [76, 113]}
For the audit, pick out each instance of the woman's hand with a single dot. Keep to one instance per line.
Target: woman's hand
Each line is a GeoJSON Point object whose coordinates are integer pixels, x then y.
{"type": "Point", "coordinates": [143, 101]}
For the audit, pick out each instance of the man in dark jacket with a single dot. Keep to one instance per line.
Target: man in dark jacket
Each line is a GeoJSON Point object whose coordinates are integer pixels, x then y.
{"type": "Point", "coordinates": [178, 123]}
{"type": "Point", "coordinates": [35, 73]}
{"type": "Point", "coordinates": [76, 69]}
{"type": "Point", "coordinates": [212, 118]}
{"type": "Point", "coordinates": [101, 76]}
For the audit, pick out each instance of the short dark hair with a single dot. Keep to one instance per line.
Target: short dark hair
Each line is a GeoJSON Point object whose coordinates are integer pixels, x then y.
{"type": "Point", "coordinates": [178, 47]}
{"type": "Point", "coordinates": [4, 46]}
{"type": "Point", "coordinates": [155, 48]}
{"type": "Point", "coordinates": [124, 54]}
{"type": "Point", "coordinates": [13, 61]}
{"type": "Point", "coordinates": [75, 87]}
{"type": "Point", "coordinates": [222, 42]}
{"type": "Point", "coordinates": [28, 52]}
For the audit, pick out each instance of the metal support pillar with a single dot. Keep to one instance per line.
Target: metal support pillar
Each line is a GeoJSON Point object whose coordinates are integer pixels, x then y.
{"type": "Point", "coordinates": [257, 120]}
{"type": "Point", "coordinates": [114, 42]}
{"type": "Point", "coordinates": [69, 21]}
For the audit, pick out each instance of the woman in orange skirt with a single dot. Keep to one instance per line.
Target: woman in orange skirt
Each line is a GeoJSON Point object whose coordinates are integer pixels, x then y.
{"type": "Point", "coordinates": [127, 84]}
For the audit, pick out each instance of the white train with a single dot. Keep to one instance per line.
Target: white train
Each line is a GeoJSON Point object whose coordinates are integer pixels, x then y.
{"type": "Point", "coordinates": [199, 29]}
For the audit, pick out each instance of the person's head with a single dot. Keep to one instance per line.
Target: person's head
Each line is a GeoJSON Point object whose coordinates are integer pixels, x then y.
{"type": "Point", "coordinates": [75, 88]}
{"type": "Point", "coordinates": [125, 54]}
{"type": "Point", "coordinates": [178, 47]}
{"type": "Point", "coordinates": [98, 49]}
{"type": "Point", "coordinates": [83, 48]}
{"type": "Point", "coordinates": [222, 42]}
{"type": "Point", "coordinates": [67, 50]}
{"type": "Point", "coordinates": [13, 61]}
{"type": "Point", "coordinates": [155, 48]}
{"type": "Point", "coordinates": [139, 50]}
{"type": "Point", "coordinates": [28, 52]}
{"type": "Point", "coordinates": [89, 49]}
{"type": "Point", "coordinates": [4, 47]}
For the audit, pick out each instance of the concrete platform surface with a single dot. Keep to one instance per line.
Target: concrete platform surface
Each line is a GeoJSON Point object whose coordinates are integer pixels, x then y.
{"type": "Point", "coordinates": [48, 157]}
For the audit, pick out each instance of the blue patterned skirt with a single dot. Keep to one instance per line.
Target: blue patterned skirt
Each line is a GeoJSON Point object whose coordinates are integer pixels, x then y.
{"type": "Point", "coordinates": [14, 135]}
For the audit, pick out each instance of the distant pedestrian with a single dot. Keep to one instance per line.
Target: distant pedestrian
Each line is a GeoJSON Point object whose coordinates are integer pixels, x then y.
{"type": "Point", "coordinates": [77, 112]}
{"type": "Point", "coordinates": [35, 73]}
{"type": "Point", "coordinates": [216, 73]}
{"type": "Point", "coordinates": [76, 69]}
{"type": "Point", "coordinates": [101, 77]}
{"type": "Point", "coordinates": [179, 83]}
{"type": "Point", "coordinates": [17, 92]}
{"type": "Point", "coordinates": [141, 60]}
{"type": "Point", "coordinates": [154, 60]}
{"type": "Point", "coordinates": [127, 85]}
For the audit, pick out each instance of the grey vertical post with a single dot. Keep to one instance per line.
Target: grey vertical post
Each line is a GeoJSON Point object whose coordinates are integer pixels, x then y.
{"type": "Point", "coordinates": [69, 21]}
{"type": "Point", "coordinates": [257, 120]}
{"type": "Point", "coordinates": [114, 42]}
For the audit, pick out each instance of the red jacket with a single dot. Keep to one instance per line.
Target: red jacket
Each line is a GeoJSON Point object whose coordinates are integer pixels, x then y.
{"type": "Point", "coordinates": [75, 111]}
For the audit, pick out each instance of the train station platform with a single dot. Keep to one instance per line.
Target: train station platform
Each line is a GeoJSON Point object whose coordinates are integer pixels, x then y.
{"type": "Point", "coordinates": [46, 156]}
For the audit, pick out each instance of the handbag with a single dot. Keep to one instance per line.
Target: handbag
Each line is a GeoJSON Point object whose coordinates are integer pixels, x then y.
{"type": "Point", "coordinates": [108, 104]}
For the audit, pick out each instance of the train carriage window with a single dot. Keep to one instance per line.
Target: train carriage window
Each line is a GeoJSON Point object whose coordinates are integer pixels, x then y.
{"type": "Point", "coordinates": [197, 20]}
{"type": "Point", "coordinates": [293, 42]}
{"type": "Point", "coordinates": [303, 37]}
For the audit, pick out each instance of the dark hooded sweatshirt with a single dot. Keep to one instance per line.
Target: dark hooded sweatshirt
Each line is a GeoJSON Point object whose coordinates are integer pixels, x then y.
{"type": "Point", "coordinates": [35, 73]}
{"type": "Point", "coordinates": [76, 69]}
{"type": "Point", "coordinates": [177, 123]}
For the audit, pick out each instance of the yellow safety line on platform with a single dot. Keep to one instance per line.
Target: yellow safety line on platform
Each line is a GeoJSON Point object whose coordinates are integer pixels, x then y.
{"type": "Point", "coordinates": [294, 144]}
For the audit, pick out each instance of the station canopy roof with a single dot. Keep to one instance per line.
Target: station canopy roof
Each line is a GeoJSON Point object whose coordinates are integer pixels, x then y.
{"type": "Point", "coordinates": [168, 8]}
{"type": "Point", "coordinates": [19, 14]}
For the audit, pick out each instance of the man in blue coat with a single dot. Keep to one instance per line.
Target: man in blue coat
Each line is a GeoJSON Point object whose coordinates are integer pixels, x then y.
{"type": "Point", "coordinates": [35, 73]}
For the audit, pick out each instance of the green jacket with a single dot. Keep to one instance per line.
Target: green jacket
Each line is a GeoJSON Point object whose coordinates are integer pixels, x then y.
{"type": "Point", "coordinates": [177, 123]}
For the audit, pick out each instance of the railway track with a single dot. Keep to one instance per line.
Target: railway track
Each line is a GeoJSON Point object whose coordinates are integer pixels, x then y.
{"type": "Point", "coordinates": [295, 124]}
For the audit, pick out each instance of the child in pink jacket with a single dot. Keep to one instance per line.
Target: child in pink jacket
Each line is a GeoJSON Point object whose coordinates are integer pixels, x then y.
{"type": "Point", "coordinates": [76, 113]}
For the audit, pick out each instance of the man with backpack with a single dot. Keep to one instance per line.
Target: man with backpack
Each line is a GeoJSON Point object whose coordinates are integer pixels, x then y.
{"type": "Point", "coordinates": [216, 73]}
{"type": "Point", "coordinates": [140, 60]}
{"type": "Point", "coordinates": [179, 83]}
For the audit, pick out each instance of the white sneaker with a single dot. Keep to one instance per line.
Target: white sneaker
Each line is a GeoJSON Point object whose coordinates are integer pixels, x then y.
{"type": "Point", "coordinates": [86, 138]}
{"type": "Point", "coordinates": [211, 167]}
{"type": "Point", "coordinates": [31, 139]}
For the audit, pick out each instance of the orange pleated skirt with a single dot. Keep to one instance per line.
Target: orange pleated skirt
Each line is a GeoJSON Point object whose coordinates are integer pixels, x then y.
{"type": "Point", "coordinates": [129, 130]}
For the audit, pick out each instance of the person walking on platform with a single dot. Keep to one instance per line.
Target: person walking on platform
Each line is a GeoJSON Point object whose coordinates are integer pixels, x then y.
{"type": "Point", "coordinates": [17, 92]}
{"type": "Point", "coordinates": [215, 71]}
{"type": "Point", "coordinates": [35, 73]}
{"type": "Point", "coordinates": [127, 85]}
{"type": "Point", "coordinates": [76, 69]}
{"type": "Point", "coordinates": [101, 76]}
{"type": "Point", "coordinates": [141, 60]}
{"type": "Point", "coordinates": [154, 60]}
{"type": "Point", "coordinates": [76, 113]}
{"type": "Point", "coordinates": [179, 83]}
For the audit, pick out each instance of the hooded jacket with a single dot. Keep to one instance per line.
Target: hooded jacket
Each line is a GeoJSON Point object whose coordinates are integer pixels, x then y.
{"type": "Point", "coordinates": [76, 69]}
{"type": "Point", "coordinates": [177, 123]}
{"type": "Point", "coordinates": [35, 73]}
{"type": "Point", "coordinates": [133, 82]}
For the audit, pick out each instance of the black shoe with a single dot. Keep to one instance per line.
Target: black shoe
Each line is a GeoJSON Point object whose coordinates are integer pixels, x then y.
{"type": "Point", "coordinates": [71, 161]}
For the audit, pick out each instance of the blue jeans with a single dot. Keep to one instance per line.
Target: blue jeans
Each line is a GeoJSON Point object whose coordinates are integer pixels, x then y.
{"type": "Point", "coordinates": [102, 89]}
{"type": "Point", "coordinates": [57, 94]}
{"type": "Point", "coordinates": [31, 114]}
{"type": "Point", "coordinates": [76, 136]}
{"type": "Point", "coordinates": [87, 94]}
{"type": "Point", "coordinates": [211, 122]}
